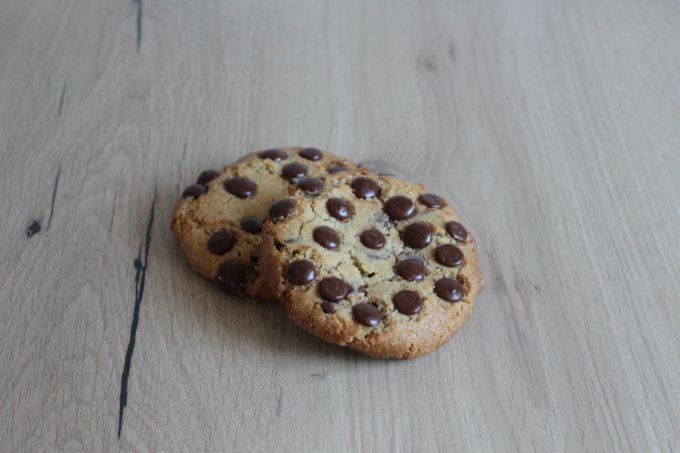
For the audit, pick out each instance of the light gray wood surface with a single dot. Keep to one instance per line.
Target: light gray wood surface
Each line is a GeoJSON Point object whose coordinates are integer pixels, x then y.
{"type": "Point", "coordinates": [554, 126]}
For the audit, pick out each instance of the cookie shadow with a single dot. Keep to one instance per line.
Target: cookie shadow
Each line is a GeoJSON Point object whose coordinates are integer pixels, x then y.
{"type": "Point", "coordinates": [254, 326]}
{"type": "Point", "coordinates": [244, 325]}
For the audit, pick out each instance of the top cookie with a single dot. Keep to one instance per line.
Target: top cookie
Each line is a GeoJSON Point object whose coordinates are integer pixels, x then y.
{"type": "Point", "coordinates": [219, 219]}
{"type": "Point", "coordinates": [374, 263]}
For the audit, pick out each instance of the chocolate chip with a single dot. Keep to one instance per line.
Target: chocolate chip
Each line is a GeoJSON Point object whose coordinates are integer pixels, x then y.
{"type": "Point", "coordinates": [456, 231]}
{"type": "Point", "coordinates": [273, 154]}
{"type": "Point", "coordinates": [418, 235]}
{"type": "Point", "coordinates": [221, 242]}
{"type": "Point", "coordinates": [448, 255]}
{"type": "Point", "coordinates": [293, 171]}
{"type": "Point", "coordinates": [232, 275]}
{"type": "Point", "coordinates": [373, 239]}
{"type": "Point", "coordinates": [282, 208]}
{"type": "Point", "coordinates": [339, 208]}
{"type": "Point", "coordinates": [432, 201]}
{"type": "Point", "coordinates": [327, 307]}
{"type": "Point", "coordinates": [206, 176]}
{"type": "Point", "coordinates": [336, 168]}
{"type": "Point", "coordinates": [326, 237]}
{"type": "Point", "coordinates": [301, 272]}
{"type": "Point", "coordinates": [240, 186]}
{"type": "Point", "coordinates": [310, 154]}
{"type": "Point", "coordinates": [252, 225]}
{"type": "Point", "coordinates": [399, 207]}
{"type": "Point", "coordinates": [449, 289]}
{"type": "Point", "coordinates": [311, 185]}
{"type": "Point", "coordinates": [194, 191]}
{"type": "Point", "coordinates": [411, 269]}
{"type": "Point", "coordinates": [333, 289]}
{"type": "Point", "coordinates": [407, 302]}
{"type": "Point", "coordinates": [367, 314]}
{"type": "Point", "coordinates": [364, 187]}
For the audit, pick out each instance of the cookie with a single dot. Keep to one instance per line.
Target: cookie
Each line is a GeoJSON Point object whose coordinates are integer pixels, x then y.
{"type": "Point", "coordinates": [218, 220]}
{"type": "Point", "coordinates": [373, 263]}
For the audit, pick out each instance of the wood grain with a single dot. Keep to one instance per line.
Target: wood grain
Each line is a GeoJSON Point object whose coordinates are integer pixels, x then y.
{"type": "Point", "coordinates": [553, 126]}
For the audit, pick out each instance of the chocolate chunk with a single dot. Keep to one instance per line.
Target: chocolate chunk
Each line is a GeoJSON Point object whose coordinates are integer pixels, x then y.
{"type": "Point", "coordinates": [339, 208]}
{"type": "Point", "coordinates": [327, 307]}
{"type": "Point", "coordinates": [333, 289]}
{"type": "Point", "coordinates": [194, 191]}
{"type": "Point", "coordinates": [456, 231]}
{"type": "Point", "coordinates": [367, 314]}
{"type": "Point", "coordinates": [252, 225]}
{"type": "Point", "coordinates": [336, 168]}
{"type": "Point", "coordinates": [311, 185]}
{"type": "Point", "coordinates": [399, 207]}
{"type": "Point", "coordinates": [221, 242]}
{"type": "Point", "coordinates": [407, 302]}
{"type": "Point", "coordinates": [282, 208]}
{"type": "Point", "coordinates": [301, 272]}
{"type": "Point", "coordinates": [240, 186]}
{"type": "Point", "coordinates": [373, 239]}
{"type": "Point", "coordinates": [448, 255]}
{"type": "Point", "coordinates": [364, 187]}
{"type": "Point", "coordinates": [206, 176]}
{"type": "Point", "coordinates": [273, 154]}
{"type": "Point", "coordinates": [418, 235]}
{"type": "Point", "coordinates": [231, 275]}
{"type": "Point", "coordinates": [449, 289]}
{"type": "Point", "coordinates": [310, 154]}
{"type": "Point", "coordinates": [411, 269]}
{"type": "Point", "coordinates": [326, 237]}
{"type": "Point", "coordinates": [432, 201]}
{"type": "Point", "coordinates": [293, 171]}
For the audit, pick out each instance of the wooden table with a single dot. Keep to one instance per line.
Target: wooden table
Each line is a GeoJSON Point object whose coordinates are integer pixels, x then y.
{"type": "Point", "coordinates": [554, 126]}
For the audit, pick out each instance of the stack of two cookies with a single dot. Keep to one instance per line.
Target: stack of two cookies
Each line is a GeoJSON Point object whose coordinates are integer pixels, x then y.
{"type": "Point", "coordinates": [371, 262]}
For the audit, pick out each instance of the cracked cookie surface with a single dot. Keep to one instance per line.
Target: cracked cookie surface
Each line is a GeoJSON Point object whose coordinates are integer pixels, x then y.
{"type": "Point", "coordinates": [218, 220]}
{"type": "Point", "coordinates": [374, 263]}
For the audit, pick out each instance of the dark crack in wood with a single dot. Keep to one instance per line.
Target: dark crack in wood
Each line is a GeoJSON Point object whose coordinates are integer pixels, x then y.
{"type": "Point", "coordinates": [33, 229]}
{"type": "Point", "coordinates": [113, 212]}
{"type": "Point", "coordinates": [139, 5]}
{"type": "Point", "coordinates": [140, 280]}
{"type": "Point", "coordinates": [61, 99]}
{"type": "Point", "coordinates": [54, 196]}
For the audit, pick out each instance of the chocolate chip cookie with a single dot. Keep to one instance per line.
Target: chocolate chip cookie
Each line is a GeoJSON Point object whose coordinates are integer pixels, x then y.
{"type": "Point", "coordinates": [218, 219]}
{"type": "Point", "coordinates": [370, 262]}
